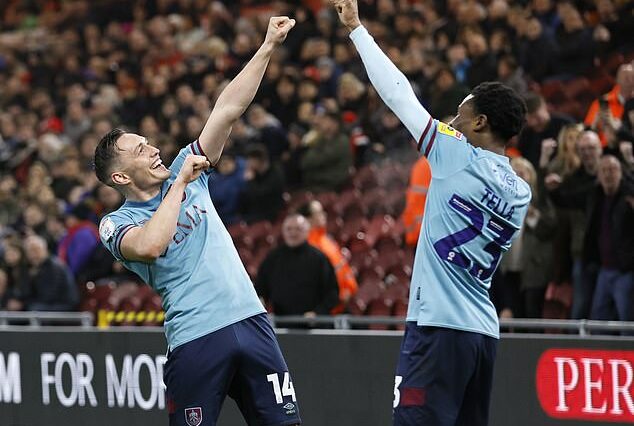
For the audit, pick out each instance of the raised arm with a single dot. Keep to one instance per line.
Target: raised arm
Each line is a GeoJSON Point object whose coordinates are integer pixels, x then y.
{"type": "Point", "coordinates": [390, 83]}
{"type": "Point", "coordinates": [239, 93]}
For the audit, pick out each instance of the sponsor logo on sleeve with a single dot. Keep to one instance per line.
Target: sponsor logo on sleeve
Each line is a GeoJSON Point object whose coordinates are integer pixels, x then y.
{"type": "Point", "coordinates": [106, 229]}
{"type": "Point", "coordinates": [446, 129]}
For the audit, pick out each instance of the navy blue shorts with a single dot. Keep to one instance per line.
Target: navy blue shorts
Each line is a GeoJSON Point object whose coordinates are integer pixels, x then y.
{"type": "Point", "coordinates": [443, 378]}
{"type": "Point", "coordinates": [242, 360]}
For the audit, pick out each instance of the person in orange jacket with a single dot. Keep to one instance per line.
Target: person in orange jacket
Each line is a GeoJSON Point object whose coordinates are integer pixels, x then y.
{"type": "Point", "coordinates": [318, 238]}
{"type": "Point", "coordinates": [412, 217]}
{"type": "Point", "coordinates": [608, 109]}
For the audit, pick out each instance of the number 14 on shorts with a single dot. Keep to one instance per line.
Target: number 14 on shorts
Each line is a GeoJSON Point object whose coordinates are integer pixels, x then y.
{"type": "Point", "coordinates": [286, 389]}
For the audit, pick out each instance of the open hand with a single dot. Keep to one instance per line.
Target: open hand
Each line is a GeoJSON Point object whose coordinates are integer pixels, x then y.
{"type": "Point", "coordinates": [278, 29]}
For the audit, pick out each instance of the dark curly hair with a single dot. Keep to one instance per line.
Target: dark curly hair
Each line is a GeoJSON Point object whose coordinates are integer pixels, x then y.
{"type": "Point", "coordinates": [504, 108]}
{"type": "Point", "coordinates": [105, 154]}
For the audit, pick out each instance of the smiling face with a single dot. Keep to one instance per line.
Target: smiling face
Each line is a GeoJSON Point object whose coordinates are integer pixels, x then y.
{"type": "Point", "coordinates": [138, 163]}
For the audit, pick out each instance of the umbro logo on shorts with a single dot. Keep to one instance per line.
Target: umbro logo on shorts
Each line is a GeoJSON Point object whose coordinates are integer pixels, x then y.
{"type": "Point", "coordinates": [290, 408]}
{"type": "Point", "coordinates": [194, 416]}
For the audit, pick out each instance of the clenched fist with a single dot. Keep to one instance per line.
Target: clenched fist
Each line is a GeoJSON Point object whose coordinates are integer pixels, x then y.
{"type": "Point", "coordinates": [348, 12]}
{"type": "Point", "coordinates": [192, 168]}
{"type": "Point", "coordinates": [278, 29]}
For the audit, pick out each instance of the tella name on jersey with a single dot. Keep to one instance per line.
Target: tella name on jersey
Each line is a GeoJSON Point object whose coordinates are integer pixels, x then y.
{"type": "Point", "coordinates": [497, 204]}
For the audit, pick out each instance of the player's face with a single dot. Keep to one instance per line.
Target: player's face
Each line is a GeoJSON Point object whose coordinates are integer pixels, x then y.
{"type": "Point", "coordinates": [139, 163]}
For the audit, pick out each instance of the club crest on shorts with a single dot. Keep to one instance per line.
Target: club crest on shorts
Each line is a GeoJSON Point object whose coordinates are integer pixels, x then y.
{"type": "Point", "coordinates": [193, 416]}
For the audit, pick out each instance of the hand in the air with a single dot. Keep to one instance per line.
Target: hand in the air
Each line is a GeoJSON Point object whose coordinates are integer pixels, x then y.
{"type": "Point", "coordinates": [278, 29]}
{"type": "Point", "coordinates": [348, 12]}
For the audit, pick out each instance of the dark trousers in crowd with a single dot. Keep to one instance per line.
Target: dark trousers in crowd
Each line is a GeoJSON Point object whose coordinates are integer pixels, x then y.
{"type": "Point", "coordinates": [584, 281]}
{"type": "Point", "coordinates": [614, 296]}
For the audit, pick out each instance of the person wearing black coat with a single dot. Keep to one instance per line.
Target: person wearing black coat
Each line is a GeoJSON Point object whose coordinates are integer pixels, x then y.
{"type": "Point", "coordinates": [49, 284]}
{"type": "Point", "coordinates": [295, 278]}
{"type": "Point", "coordinates": [609, 242]}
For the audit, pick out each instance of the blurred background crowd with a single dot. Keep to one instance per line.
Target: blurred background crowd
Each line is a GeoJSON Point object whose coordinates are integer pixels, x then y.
{"type": "Point", "coordinates": [320, 185]}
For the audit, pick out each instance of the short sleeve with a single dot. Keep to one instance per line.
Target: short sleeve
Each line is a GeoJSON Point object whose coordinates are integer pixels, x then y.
{"type": "Point", "coordinates": [446, 149]}
{"type": "Point", "coordinates": [112, 229]}
{"type": "Point", "coordinates": [195, 149]}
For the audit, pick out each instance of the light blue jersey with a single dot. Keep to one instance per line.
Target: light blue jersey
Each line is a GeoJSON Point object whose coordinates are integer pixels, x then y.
{"type": "Point", "coordinates": [200, 277]}
{"type": "Point", "coordinates": [475, 207]}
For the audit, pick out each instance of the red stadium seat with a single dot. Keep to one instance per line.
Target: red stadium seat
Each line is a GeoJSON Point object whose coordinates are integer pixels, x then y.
{"type": "Point", "coordinates": [352, 230]}
{"type": "Point", "coordinates": [553, 91]}
{"type": "Point", "coordinates": [362, 299]}
{"type": "Point", "coordinates": [396, 292]}
{"type": "Point", "coordinates": [388, 259]}
{"type": "Point", "coordinates": [366, 178]}
{"type": "Point", "coordinates": [362, 259]}
{"type": "Point", "coordinates": [237, 230]}
{"type": "Point", "coordinates": [374, 202]}
{"type": "Point", "coordinates": [387, 243]}
{"type": "Point", "coordinates": [327, 200]}
{"type": "Point", "coordinates": [379, 226]}
{"type": "Point", "coordinates": [369, 274]}
{"type": "Point", "coordinates": [379, 307]}
{"type": "Point", "coordinates": [259, 231]}
{"type": "Point", "coordinates": [358, 243]}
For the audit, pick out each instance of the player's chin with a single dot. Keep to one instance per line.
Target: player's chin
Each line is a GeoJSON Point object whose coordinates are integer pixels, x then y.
{"type": "Point", "coordinates": [161, 174]}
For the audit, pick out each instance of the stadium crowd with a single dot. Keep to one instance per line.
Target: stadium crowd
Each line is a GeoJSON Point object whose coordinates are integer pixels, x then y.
{"type": "Point", "coordinates": [319, 142]}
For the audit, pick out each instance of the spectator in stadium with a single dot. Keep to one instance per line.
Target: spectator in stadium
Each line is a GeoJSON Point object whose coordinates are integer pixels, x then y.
{"type": "Point", "coordinates": [81, 238]}
{"type": "Point", "coordinates": [295, 278]}
{"type": "Point", "coordinates": [412, 217]}
{"type": "Point", "coordinates": [527, 267]}
{"type": "Point", "coordinates": [570, 196]}
{"type": "Point", "coordinates": [351, 95]}
{"type": "Point", "coordinates": [226, 184]}
{"type": "Point", "coordinates": [446, 93]}
{"type": "Point", "coordinates": [575, 41]}
{"type": "Point", "coordinates": [326, 162]}
{"type": "Point", "coordinates": [76, 122]}
{"type": "Point", "coordinates": [390, 135]}
{"type": "Point", "coordinates": [269, 131]}
{"type": "Point", "coordinates": [609, 243]}
{"type": "Point", "coordinates": [49, 284]}
{"type": "Point", "coordinates": [541, 124]}
{"type": "Point", "coordinates": [261, 197]}
{"type": "Point", "coordinates": [4, 290]}
{"type": "Point", "coordinates": [616, 22]}
{"type": "Point", "coordinates": [511, 74]}
{"type": "Point", "coordinates": [284, 102]}
{"type": "Point", "coordinates": [9, 203]}
{"type": "Point", "coordinates": [566, 160]}
{"type": "Point", "coordinates": [483, 63]}
{"type": "Point", "coordinates": [537, 50]}
{"type": "Point", "coordinates": [108, 199]}
{"type": "Point", "coordinates": [606, 114]}
{"type": "Point", "coordinates": [317, 237]}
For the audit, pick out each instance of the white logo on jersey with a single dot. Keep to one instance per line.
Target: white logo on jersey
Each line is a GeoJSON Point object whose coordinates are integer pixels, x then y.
{"type": "Point", "coordinates": [106, 229]}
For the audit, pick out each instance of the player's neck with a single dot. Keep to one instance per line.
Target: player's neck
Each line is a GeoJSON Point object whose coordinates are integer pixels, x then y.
{"type": "Point", "coordinates": [491, 145]}
{"type": "Point", "coordinates": [141, 195]}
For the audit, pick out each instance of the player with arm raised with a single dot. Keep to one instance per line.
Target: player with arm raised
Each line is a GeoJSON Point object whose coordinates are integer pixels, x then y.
{"type": "Point", "coordinates": [475, 207]}
{"type": "Point", "coordinates": [168, 232]}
